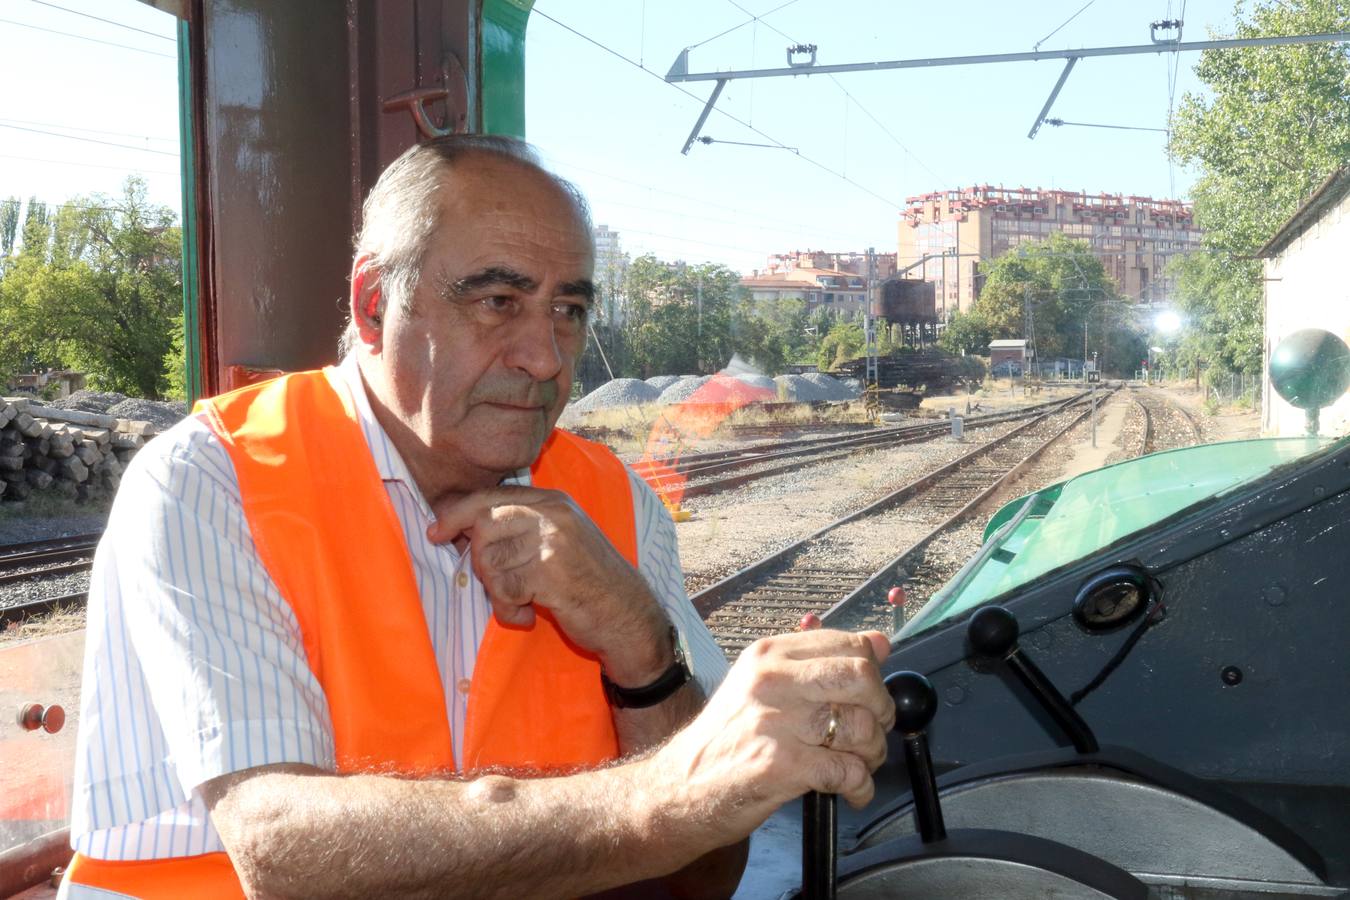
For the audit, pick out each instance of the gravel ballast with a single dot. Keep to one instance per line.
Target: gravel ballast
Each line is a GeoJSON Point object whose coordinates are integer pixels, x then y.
{"type": "Point", "coordinates": [619, 392]}
{"type": "Point", "coordinates": [163, 415]}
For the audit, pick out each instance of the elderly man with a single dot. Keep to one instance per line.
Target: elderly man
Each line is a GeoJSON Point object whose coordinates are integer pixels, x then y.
{"type": "Point", "coordinates": [381, 630]}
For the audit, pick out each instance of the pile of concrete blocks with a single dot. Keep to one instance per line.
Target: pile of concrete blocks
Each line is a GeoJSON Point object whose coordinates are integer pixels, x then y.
{"type": "Point", "coordinates": [78, 455]}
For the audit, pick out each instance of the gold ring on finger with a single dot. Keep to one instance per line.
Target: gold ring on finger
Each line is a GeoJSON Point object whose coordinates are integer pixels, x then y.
{"type": "Point", "coordinates": [831, 728]}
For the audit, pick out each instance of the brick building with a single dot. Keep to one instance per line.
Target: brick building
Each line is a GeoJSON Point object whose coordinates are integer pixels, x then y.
{"type": "Point", "coordinates": [1134, 237]}
{"type": "Point", "coordinates": [834, 281]}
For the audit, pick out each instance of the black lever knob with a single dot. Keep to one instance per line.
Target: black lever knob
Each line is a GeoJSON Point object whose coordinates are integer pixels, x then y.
{"type": "Point", "coordinates": [916, 703]}
{"type": "Point", "coordinates": [992, 634]}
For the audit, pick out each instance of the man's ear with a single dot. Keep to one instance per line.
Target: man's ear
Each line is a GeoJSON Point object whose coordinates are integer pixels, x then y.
{"type": "Point", "coordinates": [367, 302]}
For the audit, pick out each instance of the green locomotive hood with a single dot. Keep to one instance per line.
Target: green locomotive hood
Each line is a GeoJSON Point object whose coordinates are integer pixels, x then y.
{"type": "Point", "coordinates": [1046, 530]}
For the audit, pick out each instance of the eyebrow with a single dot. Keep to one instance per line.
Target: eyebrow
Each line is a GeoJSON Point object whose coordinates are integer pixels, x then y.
{"type": "Point", "coordinates": [493, 275]}
{"type": "Point", "coordinates": [501, 275]}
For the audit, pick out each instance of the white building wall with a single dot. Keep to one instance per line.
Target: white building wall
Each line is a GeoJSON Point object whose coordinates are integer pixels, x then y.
{"type": "Point", "coordinates": [1307, 287]}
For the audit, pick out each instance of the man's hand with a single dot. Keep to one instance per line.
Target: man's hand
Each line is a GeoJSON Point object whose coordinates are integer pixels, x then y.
{"type": "Point", "coordinates": [536, 547]}
{"type": "Point", "coordinates": [760, 740]}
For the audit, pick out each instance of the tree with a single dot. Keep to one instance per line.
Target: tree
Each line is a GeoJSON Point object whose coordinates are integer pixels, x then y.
{"type": "Point", "coordinates": [1273, 125]}
{"type": "Point", "coordinates": [966, 333]}
{"type": "Point", "coordinates": [9, 225]}
{"type": "Point", "coordinates": [1058, 280]}
{"type": "Point", "coordinates": [844, 342]}
{"type": "Point", "coordinates": [97, 287]}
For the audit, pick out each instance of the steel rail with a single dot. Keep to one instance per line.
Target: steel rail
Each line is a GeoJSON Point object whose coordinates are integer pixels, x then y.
{"type": "Point", "coordinates": [54, 571]}
{"type": "Point", "coordinates": [860, 595]}
{"type": "Point", "coordinates": [771, 449]}
{"type": "Point", "coordinates": [717, 595]}
{"type": "Point", "coordinates": [913, 434]}
{"type": "Point", "coordinates": [37, 553]}
{"type": "Point", "coordinates": [23, 611]}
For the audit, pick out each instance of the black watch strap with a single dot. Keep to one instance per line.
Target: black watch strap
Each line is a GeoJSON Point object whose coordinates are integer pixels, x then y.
{"type": "Point", "coordinates": [667, 683]}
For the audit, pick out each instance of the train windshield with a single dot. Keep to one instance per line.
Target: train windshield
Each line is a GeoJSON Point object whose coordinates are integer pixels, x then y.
{"type": "Point", "coordinates": [1066, 522]}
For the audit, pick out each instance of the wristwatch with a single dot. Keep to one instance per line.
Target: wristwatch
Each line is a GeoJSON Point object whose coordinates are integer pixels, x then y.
{"type": "Point", "coordinates": [667, 683]}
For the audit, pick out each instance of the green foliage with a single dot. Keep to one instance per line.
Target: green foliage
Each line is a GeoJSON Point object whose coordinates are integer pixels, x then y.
{"type": "Point", "coordinates": [1221, 302]}
{"type": "Point", "coordinates": [966, 333]}
{"type": "Point", "coordinates": [97, 288]}
{"type": "Point", "coordinates": [9, 225]}
{"type": "Point", "coordinates": [1272, 124]}
{"type": "Point", "coordinates": [845, 341]}
{"type": "Point", "coordinates": [1063, 284]}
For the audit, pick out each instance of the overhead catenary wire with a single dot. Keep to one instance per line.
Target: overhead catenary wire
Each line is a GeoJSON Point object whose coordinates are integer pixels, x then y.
{"type": "Point", "coordinates": [82, 37]}
{"type": "Point", "coordinates": [147, 137]}
{"type": "Point", "coordinates": [802, 156]}
{"type": "Point", "coordinates": [72, 137]}
{"type": "Point", "coordinates": [88, 165]}
{"type": "Point", "coordinates": [76, 12]}
{"type": "Point", "coordinates": [854, 100]}
{"type": "Point", "coordinates": [1082, 9]}
{"type": "Point", "coordinates": [753, 18]}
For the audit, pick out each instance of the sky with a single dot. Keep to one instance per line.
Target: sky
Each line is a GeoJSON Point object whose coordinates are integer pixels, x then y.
{"type": "Point", "coordinates": [862, 142]}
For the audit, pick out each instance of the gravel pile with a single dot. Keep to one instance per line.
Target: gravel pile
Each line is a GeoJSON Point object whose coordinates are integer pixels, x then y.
{"type": "Point", "coordinates": [756, 380]}
{"type": "Point", "coordinates": [661, 382]}
{"type": "Point", "coordinates": [852, 384]}
{"type": "Point", "coordinates": [682, 390]}
{"type": "Point", "coordinates": [797, 389]}
{"type": "Point", "coordinates": [162, 415]}
{"type": "Point", "coordinates": [90, 401]}
{"type": "Point", "coordinates": [831, 386]}
{"type": "Point", "coordinates": [619, 392]}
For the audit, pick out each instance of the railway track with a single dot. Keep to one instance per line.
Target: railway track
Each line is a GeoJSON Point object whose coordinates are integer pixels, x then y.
{"type": "Point", "coordinates": [1167, 426]}
{"type": "Point", "coordinates": [696, 474]}
{"type": "Point", "coordinates": [845, 567]}
{"type": "Point", "coordinates": [39, 577]}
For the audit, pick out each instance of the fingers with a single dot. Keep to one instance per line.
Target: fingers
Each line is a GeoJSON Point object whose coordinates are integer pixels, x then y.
{"type": "Point", "coordinates": [833, 772]}
{"type": "Point", "coordinates": [871, 645]}
{"type": "Point", "coordinates": [461, 513]}
{"type": "Point", "coordinates": [843, 681]}
{"type": "Point", "coordinates": [856, 731]}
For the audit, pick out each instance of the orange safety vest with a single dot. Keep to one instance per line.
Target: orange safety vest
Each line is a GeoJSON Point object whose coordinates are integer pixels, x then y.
{"type": "Point", "coordinates": [328, 535]}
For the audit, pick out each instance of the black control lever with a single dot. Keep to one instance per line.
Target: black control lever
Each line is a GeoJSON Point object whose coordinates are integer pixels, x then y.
{"type": "Point", "coordinates": [820, 845]}
{"type": "Point", "coordinates": [993, 633]}
{"type": "Point", "coordinates": [915, 705]}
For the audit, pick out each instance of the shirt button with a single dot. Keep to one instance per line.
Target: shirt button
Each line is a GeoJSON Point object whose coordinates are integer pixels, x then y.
{"type": "Point", "coordinates": [463, 686]}
{"type": "Point", "coordinates": [462, 579]}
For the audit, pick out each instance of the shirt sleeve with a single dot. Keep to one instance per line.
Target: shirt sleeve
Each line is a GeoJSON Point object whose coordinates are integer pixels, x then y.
{"type": "Point", "coordinates": [659, 562]}
{"type": "Point", "coordinates": [194, 665]}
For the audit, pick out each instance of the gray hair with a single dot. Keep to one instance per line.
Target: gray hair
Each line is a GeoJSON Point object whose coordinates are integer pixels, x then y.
{"type": "Point", "coordinates": [403, 210]}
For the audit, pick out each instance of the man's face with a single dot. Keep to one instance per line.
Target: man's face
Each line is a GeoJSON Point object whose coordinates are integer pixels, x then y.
{"type": "Point", "coordinates": [480, 367]}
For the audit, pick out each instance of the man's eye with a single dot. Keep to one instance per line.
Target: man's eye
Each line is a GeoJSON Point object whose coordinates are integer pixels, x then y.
{"type": "Point", "coordinates": [573, 314]}
{"type": "Point", "coordinates": [497, 304]}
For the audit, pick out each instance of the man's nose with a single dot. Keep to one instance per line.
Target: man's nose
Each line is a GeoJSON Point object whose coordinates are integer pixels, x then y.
{"type": "Point", "coordinates": [533, 347]}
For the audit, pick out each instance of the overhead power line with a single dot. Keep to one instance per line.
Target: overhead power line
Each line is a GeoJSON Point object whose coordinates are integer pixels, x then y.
{"type": "Point", "coordinates": [81, 37]}
{"type": "Point", "coordinates": [854, 100]}
{"type": "Point", "coordinates": [147, 137]}
{"type": "Point", "coordinates": [72, 137]}
{"type": "Point", "coordinates": [736, 119]}
{"type": "Point", "coordinates": [89, 165]}
{"type": "Point", "coordinates": [1060, 122]}
{"type": "Point", "coordinates": [1037, 45]}
{"type": "Point", "coordinates": [753, 18]}
{"type": "Point", "coordinates": [76, 12]}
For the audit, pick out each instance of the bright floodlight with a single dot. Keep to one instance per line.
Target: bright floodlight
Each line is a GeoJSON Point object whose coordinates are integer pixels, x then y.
{"type": "Point", "coordinates": [1167, 322]}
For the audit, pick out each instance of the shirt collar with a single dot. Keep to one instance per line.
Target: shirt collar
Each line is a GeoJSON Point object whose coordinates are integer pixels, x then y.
{"type": "Point", "coordinates": [387, 459]}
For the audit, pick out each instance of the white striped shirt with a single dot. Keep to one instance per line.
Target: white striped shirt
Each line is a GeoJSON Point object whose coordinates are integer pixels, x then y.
{"type": "Point", "coordinates": [194, 666]}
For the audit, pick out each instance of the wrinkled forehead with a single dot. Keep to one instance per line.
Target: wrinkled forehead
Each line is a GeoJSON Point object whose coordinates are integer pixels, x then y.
{"type": "Point", "coordinates": [481, 188]}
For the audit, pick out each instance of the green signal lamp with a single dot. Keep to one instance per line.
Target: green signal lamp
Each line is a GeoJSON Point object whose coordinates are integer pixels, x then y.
{"type": "Point", "coordinates": [1310, 369]}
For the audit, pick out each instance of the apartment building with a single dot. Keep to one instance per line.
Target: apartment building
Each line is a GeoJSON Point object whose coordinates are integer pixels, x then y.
{"type": "Point", "coordinates": [946, 234]}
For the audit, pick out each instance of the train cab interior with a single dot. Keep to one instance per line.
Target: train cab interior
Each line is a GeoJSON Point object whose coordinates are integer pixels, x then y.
{"type": "Point", "coordinates": [1135, 688]}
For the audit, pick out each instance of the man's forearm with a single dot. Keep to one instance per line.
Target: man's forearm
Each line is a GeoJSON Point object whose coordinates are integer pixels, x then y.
{"type": "Point", "coordinates": [298, 835]}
